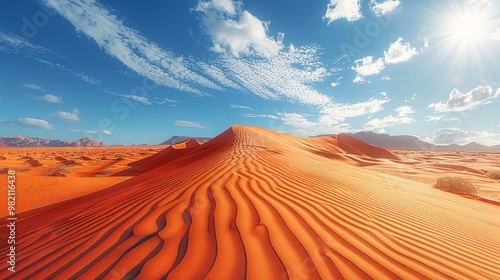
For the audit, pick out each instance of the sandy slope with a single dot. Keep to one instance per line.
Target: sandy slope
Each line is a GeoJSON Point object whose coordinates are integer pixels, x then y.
{"type": "Point", "coordinates": [260, 205]}
{"type": "Point", "coordinates": [50, 175]}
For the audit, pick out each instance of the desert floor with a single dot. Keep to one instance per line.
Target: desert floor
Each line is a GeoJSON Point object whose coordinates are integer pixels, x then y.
{"type": "Point", "coordinates": [252, 204]}
{"type": "Point", "coordinates": [49, 175]}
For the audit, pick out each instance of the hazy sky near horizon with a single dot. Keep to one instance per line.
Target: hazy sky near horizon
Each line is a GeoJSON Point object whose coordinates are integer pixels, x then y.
{"type": "Point", "coordinates": [131, 72]}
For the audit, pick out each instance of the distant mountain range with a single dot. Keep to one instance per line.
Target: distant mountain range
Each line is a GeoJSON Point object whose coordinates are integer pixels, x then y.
{"type": "Point", "coordinates": [178, 139]}
{"type": "Point", "coordinates": [408, 142]}
{"type": "Point", "coordinates": [20, 141]}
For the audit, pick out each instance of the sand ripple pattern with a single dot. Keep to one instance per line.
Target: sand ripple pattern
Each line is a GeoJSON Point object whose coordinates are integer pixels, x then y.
{"type": "Point", "coordinates": [255, 205]}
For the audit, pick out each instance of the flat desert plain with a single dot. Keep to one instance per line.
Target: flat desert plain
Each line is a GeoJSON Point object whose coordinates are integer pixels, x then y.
{"type": "Point", "coordinates": [252, 204]}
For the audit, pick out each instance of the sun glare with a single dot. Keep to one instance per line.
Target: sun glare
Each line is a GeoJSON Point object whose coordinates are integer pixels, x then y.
{"type": "Point", "coordinates": [468, 27]}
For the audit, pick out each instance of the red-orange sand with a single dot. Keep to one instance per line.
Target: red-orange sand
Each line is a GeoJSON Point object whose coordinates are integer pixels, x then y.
{"type": "Point", "coordinates": [49, 175]}
{"type": "Point", "coordinates": [261, 205]}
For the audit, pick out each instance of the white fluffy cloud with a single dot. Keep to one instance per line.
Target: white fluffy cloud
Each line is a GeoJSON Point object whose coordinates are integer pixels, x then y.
{"type": "Point", "coordinates": [29, 122]}
{"type": "Point", "coordinates": [385, 7]}
{"type": "Point", "coordinates": [367, 66]}
{"type": "Point", "coordinates": [404, 116]}
{"type": "Point", "coordinates": [188, 124]}
{"type": "Point", "coordinates": [73, 116]}
{"type": "Point", "coordinates": [458, 101]}
{"type": "Point", "coordinates": [235, 31]}
{"type": "Point", "coordinates": [461, 137]}
{"type": "Point", "coordinates": [50, 98]}
{"type": "Point", "coordinates": [348, 9]}
{"type": "Point", "coordinates": [399, 52]}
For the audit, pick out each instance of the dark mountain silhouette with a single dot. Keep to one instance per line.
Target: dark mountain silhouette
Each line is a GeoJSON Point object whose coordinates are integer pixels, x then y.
{"type": "Point", "coordinates": [20, 141]}
{"type": "Point", "coordinates": [409, 142]}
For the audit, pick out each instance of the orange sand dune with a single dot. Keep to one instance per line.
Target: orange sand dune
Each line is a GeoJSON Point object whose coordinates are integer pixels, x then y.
{"type": "Point", "coordinates": [48, 175]}
{"type": "Point", "coordinates": [256, 204]}
{"type": "Point", "coordinates": [168, 154]}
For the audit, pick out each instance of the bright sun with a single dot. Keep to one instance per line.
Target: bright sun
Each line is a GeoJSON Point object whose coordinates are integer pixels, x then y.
{"type": "Point", "coordinates": [468, 27]}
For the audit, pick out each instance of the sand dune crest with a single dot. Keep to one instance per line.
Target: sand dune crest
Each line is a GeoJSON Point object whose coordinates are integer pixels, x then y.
{"type": "Point", "coordinates": [256, 204]}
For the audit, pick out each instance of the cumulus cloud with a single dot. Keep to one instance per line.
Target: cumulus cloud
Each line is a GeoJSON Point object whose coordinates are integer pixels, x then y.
{"type": "Point", "coordinates": [367, 66]}
{"type": "Point", "coordinates": [399, 52]}
{"type": "Point", "coordinates": [237, 31]}
{"type": "Point", "coordinates": [385, 7]}
{"type": "Point", "coordinates": [458, 101]}
{"type": "Point", "coordinates": [461, 137]}
{"type": "Point", "coordinates": [29, 122]}
{"type": "Point", "coordinates": [404, 116]}
{"type": "Point", "coordinates": [188, 124]}
{"type": "Point", "coordinates": [129, 46]}
{"type": "Point", "coordinates": [73, 116]}
{"type": "Point", "coordinates": [50, 98]}
{"type": "Point", "coordinates": [338, 9]}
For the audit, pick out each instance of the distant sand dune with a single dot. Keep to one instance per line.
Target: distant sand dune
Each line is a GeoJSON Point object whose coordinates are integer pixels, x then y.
{"type": "Point", "coordinates": [256, 204]}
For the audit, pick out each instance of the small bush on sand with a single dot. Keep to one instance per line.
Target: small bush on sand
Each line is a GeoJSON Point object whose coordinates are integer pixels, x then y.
{"type": "Point", "coordinates": [495, 174]}
{"type": "Point", "coordinates": [456, 185]}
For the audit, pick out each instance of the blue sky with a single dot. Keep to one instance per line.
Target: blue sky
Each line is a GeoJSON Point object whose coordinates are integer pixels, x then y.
{"type": "Point", "coordinates": [125, 72]}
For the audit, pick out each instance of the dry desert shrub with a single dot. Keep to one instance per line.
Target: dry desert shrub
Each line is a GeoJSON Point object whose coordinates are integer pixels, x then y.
{"type": "Point", "coordinates": [495, 174]}
{"type": "Point", "coordinates": [457, 185]}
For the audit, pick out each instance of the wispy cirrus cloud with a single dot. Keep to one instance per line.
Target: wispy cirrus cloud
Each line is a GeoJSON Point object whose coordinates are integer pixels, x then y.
{"type": "Point", "coordinates": [129, 46]}
{"type": "Point", "coordinates": [92, 132]}
{"type": "Point", "coordinates": [29, 122]}
{"type": "Point", "coordinates": [33, 86]}
{"type": "Point", "coordinates": [12, 43]}
{"type": "Point", "coordinates": [236, 106]}
{"type": "Point", "coordinates": [188, 124]}
{"type": "Point", "coordinates": [404, 116]}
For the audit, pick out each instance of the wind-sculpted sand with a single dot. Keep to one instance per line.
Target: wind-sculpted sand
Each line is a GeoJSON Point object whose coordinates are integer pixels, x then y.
{"type": "Point", "coordinates": [255, 204]}
{"type": "Point", "coordinates": [50, 175]}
